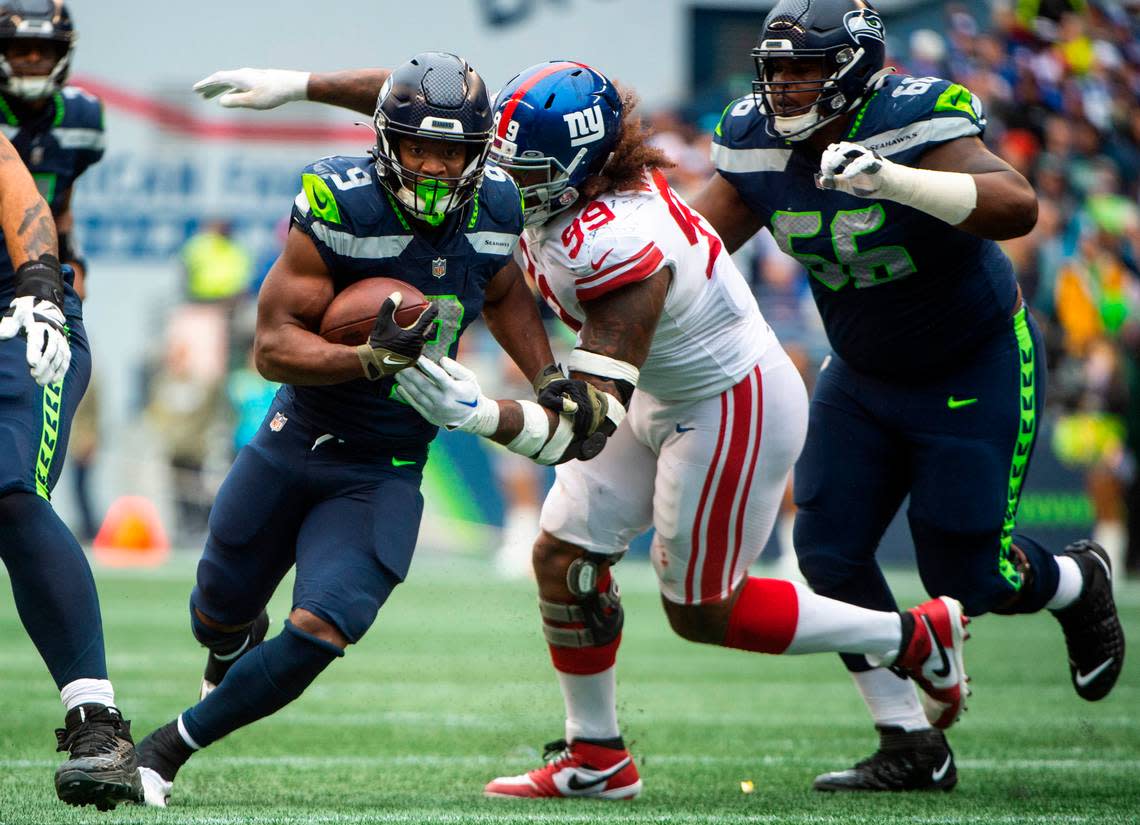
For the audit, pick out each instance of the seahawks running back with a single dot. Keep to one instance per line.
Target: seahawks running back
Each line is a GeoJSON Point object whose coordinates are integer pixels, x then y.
{"type": "Point", "coordinates": [56, 133]}
{"type": "Point", "coordinates": [331, 481]}
{"type": "Point", "coordinates": [881, 187]}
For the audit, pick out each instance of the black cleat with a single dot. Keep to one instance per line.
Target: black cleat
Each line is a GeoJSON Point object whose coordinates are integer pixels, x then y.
{"type": "Point", "coordinates": [918, 760]}
{"type": "Point", "coordinates": [218, 665]}
{"type": "Point", "coordinates": [1093, 634]}
{"type": "Point", "coordinates": [102, 769]}
{"type": "Point", "coordinates": [161, 754]}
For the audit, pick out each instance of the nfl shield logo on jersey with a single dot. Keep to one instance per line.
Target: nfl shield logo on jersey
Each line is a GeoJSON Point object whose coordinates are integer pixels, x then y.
{"type": "Point", "coordinates": [439, 267]}
{"type": "Point", "coordinates": [278, 422]}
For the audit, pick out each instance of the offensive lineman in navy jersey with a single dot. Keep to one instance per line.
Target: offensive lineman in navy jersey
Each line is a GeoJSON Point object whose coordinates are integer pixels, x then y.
{"type": "Point", "coordinates": [57, 133]}
{"type": "Point", "coordinates": [881, 187]}
{"type": "Point", "coordinates": [331, 481]}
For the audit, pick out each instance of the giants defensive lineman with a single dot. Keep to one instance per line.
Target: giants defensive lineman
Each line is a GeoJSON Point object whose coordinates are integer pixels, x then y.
{"type": "Point", "coordinates": [881, 187]}
{"type": "Point", "coordinates": [666, 327]}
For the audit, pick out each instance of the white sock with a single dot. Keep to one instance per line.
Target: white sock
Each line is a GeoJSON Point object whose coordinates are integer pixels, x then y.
{"type": "Point", "coordinates": [591, 704]}
{"type": "Point", "coordinates": [1113, 537]}
{"type": "Point", "coordinates": [87, 691]}
{"type": "Point", "coordinates": [1069, 583]}
{"type": "Point", "coordinates": [826, 624]}
{"type": "Point", "coordinates": [891, 700]}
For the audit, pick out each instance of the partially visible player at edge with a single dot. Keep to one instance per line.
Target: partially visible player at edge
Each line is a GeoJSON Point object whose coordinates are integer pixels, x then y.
{"type": "Point", "coordinates": [880, 185]}
{"type": "Point", "coordinates": [667, 327]}
{"type": "Point", "coordinates": [56, 132]}
{"type": "Point", "coordinates": [331, 481]}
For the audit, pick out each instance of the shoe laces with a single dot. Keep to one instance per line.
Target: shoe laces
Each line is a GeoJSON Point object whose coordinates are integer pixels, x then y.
{"type": "Point", "coordinates": [556, 751]}
{"type": "Point", "coordinates": [93, 737]}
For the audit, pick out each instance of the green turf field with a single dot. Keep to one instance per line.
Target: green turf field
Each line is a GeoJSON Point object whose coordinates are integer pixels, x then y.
{"type": "Point", "coordinates": [453, 686]}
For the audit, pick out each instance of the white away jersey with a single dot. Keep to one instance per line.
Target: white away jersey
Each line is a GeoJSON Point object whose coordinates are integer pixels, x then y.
{"type": "Point", "coordinates": [711, 333]}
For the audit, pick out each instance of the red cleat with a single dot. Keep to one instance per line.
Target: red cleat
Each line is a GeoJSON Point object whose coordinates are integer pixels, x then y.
{"type": "Point", "coordinates": [580, 769]}
{"type": "Point", "coordinates": [932, 656]}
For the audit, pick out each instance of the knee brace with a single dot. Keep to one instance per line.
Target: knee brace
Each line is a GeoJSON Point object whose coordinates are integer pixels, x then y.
{"type": "Point", "coordinates": [596, 617]}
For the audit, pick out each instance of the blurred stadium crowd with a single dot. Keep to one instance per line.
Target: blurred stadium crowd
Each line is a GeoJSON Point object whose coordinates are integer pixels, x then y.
{"type": "Point", "coordinates": [1060, 82]}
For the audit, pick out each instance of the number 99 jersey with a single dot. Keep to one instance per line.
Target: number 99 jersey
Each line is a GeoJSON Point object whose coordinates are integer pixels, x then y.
{"type": "Point", "coordinates": [901, 293]}
{"type": "Point", "coordinates": [710, 334]}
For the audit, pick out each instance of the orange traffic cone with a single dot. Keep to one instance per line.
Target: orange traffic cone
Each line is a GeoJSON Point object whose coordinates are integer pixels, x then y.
{"type": "Point", "coordinates": [131, 535]}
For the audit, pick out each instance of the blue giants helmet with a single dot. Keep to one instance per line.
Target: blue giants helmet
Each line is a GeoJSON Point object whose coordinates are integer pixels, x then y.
{"type": "Point", "coordinates": [555, 125]}
{"type": "Point", "coordinates": [846, 39]}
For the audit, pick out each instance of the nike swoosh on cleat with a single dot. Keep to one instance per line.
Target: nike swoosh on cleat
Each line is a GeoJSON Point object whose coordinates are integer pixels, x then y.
{"type": "Point", "coordinates": [575, 784]}
{"type": "Point", "coordinates": [1084, 679]}
{"type": "Point", "coordinates": [943, 671]}
{"type": "Point", "coordinates": [938, 774]}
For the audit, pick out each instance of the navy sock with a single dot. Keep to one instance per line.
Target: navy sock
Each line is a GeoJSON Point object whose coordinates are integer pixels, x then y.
{"type": "Point", "coordinates": [53, 588]}
{"type": "Point", "coordinates": [260, 683]}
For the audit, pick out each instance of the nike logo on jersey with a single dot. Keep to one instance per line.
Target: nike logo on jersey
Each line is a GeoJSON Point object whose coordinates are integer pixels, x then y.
{"type": "Point", "coordinates": [326, 437]}
{"type": "Point", "coordinates": [401, 462]}
{"type": "Point", "coordinates": [582, 779]}
{"type": "Point", "coordinates": [1084, 679]}
{"type": "Point", "coordinates": [938, 774]}
{"type": "Point", "coordinates": [954, 403]}
{"type": "Point", "coordinates": [943, 671]}
{"type": "Point", "coordinates": [598, 265]}
{"type": "Point", "coordinates": [681, 429]}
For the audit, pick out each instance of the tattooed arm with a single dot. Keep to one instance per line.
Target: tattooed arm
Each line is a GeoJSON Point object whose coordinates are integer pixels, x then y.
{"type": "Point", "coordinates": [29, 230]}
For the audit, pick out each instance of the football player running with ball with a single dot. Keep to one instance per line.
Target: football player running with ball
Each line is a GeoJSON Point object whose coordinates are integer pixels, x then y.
{"type": "Point", "coordinates": [668, 331]}
{"type": "Point", "coordinates": [56, 133]}
{"type": "Point", "coordinates": [881, 187]}
{"type": "Point", "coordinates": [331, 481]}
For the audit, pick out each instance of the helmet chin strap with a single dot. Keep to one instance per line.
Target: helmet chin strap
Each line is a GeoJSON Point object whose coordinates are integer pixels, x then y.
{"type": "Point", "coordinates": [801, 127]}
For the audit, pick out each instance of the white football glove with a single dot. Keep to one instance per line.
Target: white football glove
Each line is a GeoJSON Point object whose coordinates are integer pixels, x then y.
{"type": "Point", "coordinates": [48, 353]}
{"type": "Point", "coordinates": [853, 169]}
{"type": "Point", "coordinates": [448, 395]}
{"type": "Point", "coordinates": [254, 88]}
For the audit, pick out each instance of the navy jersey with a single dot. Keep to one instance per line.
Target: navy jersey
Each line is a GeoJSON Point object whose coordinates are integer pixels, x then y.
{"type": "Point", "coordinates": [900, 292]}
{"type": "Point", "coordinates": [57, 145]}
{"type": "Point", "coordinates": [360, 232]}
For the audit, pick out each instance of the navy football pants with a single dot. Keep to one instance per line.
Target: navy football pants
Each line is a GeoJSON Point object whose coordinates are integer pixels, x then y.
{"type": "Point", "coordinates": [51, 581]}
{"type": "Point", "coordinates": [959, 444]}
{"type": "Point", "coordinates": [348, 519]}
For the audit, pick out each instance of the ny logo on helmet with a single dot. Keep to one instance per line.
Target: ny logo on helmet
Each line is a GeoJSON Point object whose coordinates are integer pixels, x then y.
{"type": "Point", "coordinates": [586, 126]}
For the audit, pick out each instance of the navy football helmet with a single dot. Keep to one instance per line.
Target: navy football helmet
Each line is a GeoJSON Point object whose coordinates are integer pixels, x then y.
{"type": "Point", "coordinates": [45, 20]}
{"type": "Point", "coordinates": [435, 96]}
{"type": "Point", "coordinates": [845, 37]}
{"type": "Point", "coordinates": [556, 124]}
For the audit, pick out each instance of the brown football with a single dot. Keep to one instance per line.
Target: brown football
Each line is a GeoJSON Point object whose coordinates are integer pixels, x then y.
{"type": "Point", "coordinates": [352, 313]}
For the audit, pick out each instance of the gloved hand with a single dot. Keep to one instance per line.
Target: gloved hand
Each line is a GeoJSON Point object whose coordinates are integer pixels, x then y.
{"type": "Point", "coordinates": [37, 313]}
{"type": "Point", "coordinates": [391, 347]}
{"type": "Point", "coordinates": [448, 395]}
{"type": "Point", "coordinates": [849, 167]}
{"type": "Point", "coordinates": [254, 88]}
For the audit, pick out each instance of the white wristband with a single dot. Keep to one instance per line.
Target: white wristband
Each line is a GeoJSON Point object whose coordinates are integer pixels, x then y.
{"type": "Point", "coordinates": [948, 196]}
{"type": "Point", "coordinates": [558, 442]}
{"type": "Point", "coordinates": [582, 360]}
{"type": "Point", "coordinates": [535, 430]}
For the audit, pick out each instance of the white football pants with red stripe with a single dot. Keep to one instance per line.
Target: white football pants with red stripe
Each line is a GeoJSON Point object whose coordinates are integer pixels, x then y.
{"type": "Point", "coordinates": [709, 475]}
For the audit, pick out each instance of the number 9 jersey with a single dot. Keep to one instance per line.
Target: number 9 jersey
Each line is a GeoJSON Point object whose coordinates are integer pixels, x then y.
{"type": "Point", "coordinates": [901, 293]}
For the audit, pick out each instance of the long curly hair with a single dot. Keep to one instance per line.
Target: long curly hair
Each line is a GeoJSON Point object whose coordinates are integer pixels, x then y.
{"type": "Point", "coordinates": [631, 157]}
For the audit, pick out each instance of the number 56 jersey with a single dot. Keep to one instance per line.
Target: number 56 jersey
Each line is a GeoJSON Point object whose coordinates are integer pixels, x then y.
{"type": "Point", "coordinates": [710, 334]}
{"type": "Point", "coordinates": [901, 293]}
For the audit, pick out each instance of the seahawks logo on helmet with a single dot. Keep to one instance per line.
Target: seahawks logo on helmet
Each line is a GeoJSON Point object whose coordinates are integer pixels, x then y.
{"type": "Point", "coordinates": [864, 23]}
